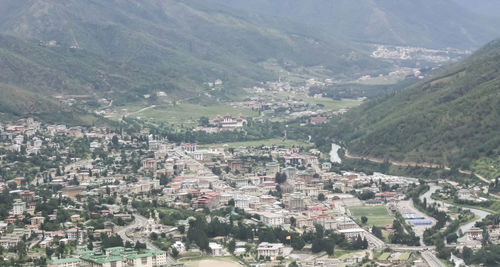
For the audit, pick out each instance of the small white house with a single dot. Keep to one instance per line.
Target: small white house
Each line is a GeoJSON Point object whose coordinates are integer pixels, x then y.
{"type": "Point", "coordinates": [179, 246]}
{"type": "Point", "coordinates": [216, 249]}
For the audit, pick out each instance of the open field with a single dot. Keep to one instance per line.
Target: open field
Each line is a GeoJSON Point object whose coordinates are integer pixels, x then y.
{"type": "Point", "coordinates": [322, 103]}
{"type": "Point", "coordinates": [344, 254]}
{"type": "Point", "coordinates": [331, 104]}
{"type": "Point", "coordinates": [377, 215]}
{"type": "Point", "coordinates": [266, 142]}
{"type": "Point", "coordinates": [187, 114]}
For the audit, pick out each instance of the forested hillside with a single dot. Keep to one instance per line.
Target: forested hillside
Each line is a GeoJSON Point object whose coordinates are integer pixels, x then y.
{"type": "Point", "coordinates": [437, 23]}
{"type": "Point", "coordinates": [452, 118]}
{"type": "Point", "coordinates": [198, 41]}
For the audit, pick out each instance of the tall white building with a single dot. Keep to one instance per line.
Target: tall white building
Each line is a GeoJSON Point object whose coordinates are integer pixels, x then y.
{"type": "Point", "coordinates": [19, 207]}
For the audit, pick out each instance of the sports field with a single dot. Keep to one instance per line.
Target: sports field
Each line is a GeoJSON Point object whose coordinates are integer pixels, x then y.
{"type": "Point", "coordinates": [377, 215]}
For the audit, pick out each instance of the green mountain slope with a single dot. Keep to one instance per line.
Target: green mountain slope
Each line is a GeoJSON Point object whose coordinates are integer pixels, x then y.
{"type": "Point", "coordinates": [452, 118]}
{"type": "Point", "coordinates": [192, 40]}
{"type": "Point", "coordinates": [428, 23]}
{"type": "Point", "coordinates": [62, 71]}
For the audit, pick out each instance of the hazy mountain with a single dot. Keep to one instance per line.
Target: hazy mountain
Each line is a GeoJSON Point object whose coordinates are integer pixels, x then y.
{"type": "Point", "coordinates": [451, 118]}
{"type": "Point", "coordinates": [196, 41]}
{"type": "Point", "coordinates": [483, 7]}
{"type": "Point", "coordinates": [429, 23]}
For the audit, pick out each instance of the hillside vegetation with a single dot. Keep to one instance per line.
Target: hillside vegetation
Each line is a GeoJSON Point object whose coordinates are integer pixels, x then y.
{"type": "Point", "coordinates": [436, 23]}
{"type": "Point", "coordinates": [192, 40]}
{"type": "Point", "coordinates": [452, 118]}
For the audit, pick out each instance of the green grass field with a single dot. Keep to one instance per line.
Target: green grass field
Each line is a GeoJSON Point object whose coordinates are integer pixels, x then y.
{"type": "Point", "coordinates": [489, 168]}
{"type": "Point", "coordinates": [330, 104]}
{"type": "Point", "coordinates": [377, 215]}
{"type": "Point", "coordinates": [188, 114]}
{"type": "Point", "coordinates": [343, 254]}
{"type": "Point", "coordinates": [266, 142]}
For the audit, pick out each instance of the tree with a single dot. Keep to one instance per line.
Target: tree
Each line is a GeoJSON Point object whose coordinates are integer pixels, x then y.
{"type": "Point", "coordinates": [49, 251]}
{"type": "Point", "coordinates": [467, 254]}
{"type": "Point", "coordinates": [451, 238]}
{"type": "Point", "coordinates": [293, 221]}
{"type": "Point", "coordinates": [365, 243]}
{"type": "Point", "coordinates": [204, 121]}
{"type": "Point", "coordinates": [175, 252]}
{"type": "Point", "coordinates": [231, 246]}
{"type": "Point", "coordinates": [297, 242]}
{"type": "Point", "coordinates": [139, 245]}
{"type": "Point", "coordinates": [317, 245]}
{"type": "Point", "coordinates": [231, 202]}
{"type": "Point", "coordinates": [12, 185]}
{"type": "Point", "coordinates": [366, 195]}
{"type": "Point", "coordinates": [114, 141]}
{"type": "Point", "coordinates": [181, 229]}
{"type": "Point", "coordinates": [293, 264]}
{"type": "Point", "coordinates": [153, 236]}
{"type": "Point", "coordinates": [377, 232]}
{"type": "Point", "coordinates": [486, 237]}
{"type": "Point", "coordinates": [321, 197]}
{"type": "Point", "coordinates": [124, 200]}
{"type": "Point", "coordinates": [280, 178]}
{"type": "Point", "coordinates": [216, 171]}
{"type": "Point", "coordinates": [364, 219]}
{"type": "Point", "coordinates": [329, 246]}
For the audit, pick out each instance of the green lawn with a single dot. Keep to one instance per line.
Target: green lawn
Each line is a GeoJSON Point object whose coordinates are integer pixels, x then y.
{"type": "Point", "coordinates": [330, 104]}
{"type": "Point", "coordinates": [188, 114]}
{"type": "Point", "coordinates": [377, 215]}
{"type": "Point", "coordinates": [337, 253]}
{"type": "Point", "coordinates": [266, 142]}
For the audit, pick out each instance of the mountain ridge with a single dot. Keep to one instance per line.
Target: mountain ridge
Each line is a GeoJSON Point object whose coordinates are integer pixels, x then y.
{"type": "Point", "coordinates": [451, 118]}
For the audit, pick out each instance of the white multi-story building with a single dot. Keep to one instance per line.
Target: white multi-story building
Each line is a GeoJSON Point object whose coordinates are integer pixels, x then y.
{"type": "Point", "coordinates": [271, 250]}
{"type": "Point", "coordinates": [272, 218]}
{"type": "Point", "coordinates": [19, 207]}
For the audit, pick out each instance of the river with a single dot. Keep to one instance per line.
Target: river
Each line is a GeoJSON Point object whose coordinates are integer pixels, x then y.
{"type": "Point", "coordinates": [480, 214]}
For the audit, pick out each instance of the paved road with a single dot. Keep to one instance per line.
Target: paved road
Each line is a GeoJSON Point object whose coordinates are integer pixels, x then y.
{"type": "Point", "coordinates": [140, 110]}
{"type": "Point", "coordinates": [139, 221]}
{"type": "Point", "coordinates": [432, 260]}
{"type": "Point", "coordinates": [398, 247]}
{"type": "Point", "coordinates": [480, 214]}
{"type": "Point", "coordinates": [374, 241]}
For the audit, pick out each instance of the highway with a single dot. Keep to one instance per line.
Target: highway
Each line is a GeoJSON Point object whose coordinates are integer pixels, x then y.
{"type": "Point", "coordinates": [432, 260]}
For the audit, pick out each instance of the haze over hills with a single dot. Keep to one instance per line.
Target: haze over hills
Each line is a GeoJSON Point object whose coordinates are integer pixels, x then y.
{"type": "Point", "coordinates": [434, 24]}
{"type": "Point", "coordinates": [483, 7]}
{"type": "Point", "coordinates": [452, 118]}
{"type": "Point", "coordinates": [191, 40]}
{"type": "Point", "coordinates": [171, 46]}
{"type": "Point", "coordinates": [124, 49]}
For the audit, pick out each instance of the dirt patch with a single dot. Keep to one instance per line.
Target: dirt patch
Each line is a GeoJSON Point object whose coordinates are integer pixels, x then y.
{"type": "Point", "coordinates": [212, 263]}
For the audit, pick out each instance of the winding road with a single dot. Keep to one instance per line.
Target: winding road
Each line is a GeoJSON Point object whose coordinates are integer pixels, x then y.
{"type": "Point", "coordinates": [480, 214]}
{"type": "Point", "coordinates": [139, 221]}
